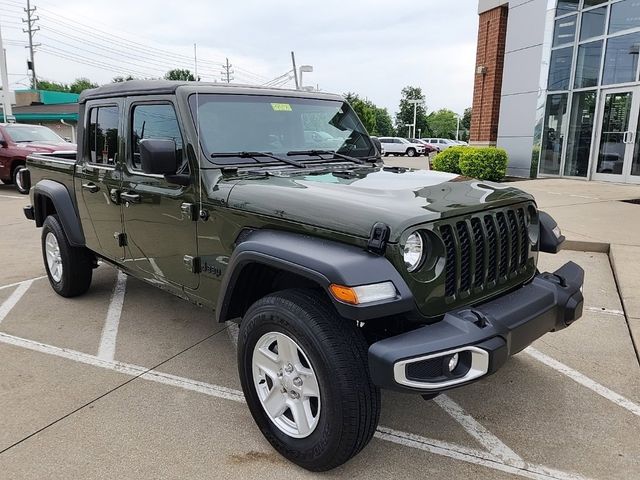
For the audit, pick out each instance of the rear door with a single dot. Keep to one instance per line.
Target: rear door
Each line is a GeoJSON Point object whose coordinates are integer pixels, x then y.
{"type": "Point", "coordinates": [100, 176]}
{"type": "Point", "coordinates": [158, 216]}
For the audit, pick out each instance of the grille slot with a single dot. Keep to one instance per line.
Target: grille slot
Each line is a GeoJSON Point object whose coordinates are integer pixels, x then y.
{"type": "Point", "coordinates": [485, 250]}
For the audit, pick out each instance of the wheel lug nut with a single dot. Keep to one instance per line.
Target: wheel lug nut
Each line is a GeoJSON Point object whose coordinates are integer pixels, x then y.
{"type": "Point", "coordinates": [297, 382]}
{"type": "Point", "coordinates": [294, 395]}
{"type": "Point", "coordinates": [288, 368]}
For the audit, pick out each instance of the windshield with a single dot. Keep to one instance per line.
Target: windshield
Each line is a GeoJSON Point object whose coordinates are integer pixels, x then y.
{"type": "Point", "coordinates": [279, 125]}
{"type": "Point", "coordinates": [24, 134]}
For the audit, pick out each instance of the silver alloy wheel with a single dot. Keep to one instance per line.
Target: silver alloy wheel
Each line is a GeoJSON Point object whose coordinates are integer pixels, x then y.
{"type": "Point", "coordinates": [54, 258]}
{"type": "Point", "coordinates": [286, 384]}
{"type": "Point", "coordinates": [19, 180]}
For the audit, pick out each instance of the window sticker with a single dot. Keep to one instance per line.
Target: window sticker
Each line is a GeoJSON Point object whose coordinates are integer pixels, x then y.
{"type": "Point", "coordinates": [281, 107]}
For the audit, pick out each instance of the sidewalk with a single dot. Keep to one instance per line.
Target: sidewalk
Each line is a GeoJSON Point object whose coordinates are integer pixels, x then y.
{"type": "Point", "coordinates": [593, 217]}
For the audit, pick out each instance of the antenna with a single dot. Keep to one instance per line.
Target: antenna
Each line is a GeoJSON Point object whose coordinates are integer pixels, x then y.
{"type": "Point", "coordinates": [202, 213]}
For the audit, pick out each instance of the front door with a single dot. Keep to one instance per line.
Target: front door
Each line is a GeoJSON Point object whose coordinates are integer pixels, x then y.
{"type": "Point", "coordinates": [159, 217]}
{"type": "Point", "coordinates": [617, 157]}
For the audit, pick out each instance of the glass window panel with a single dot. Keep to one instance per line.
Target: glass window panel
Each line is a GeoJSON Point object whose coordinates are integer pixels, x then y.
{"type": "Point", "coordinates": [156, 122]}
{"type": "Point", "coordinates": [593, 3]}
{"type": "Point", "coordinates": [565, 31]}
{"type": "Point", "coordinates": [560, 68]}
{"type": "Point", "coordinates": [567, 6]}
{"type": "Point", "coordinates": [624, 15]}
{"type": "Point", "coordinates": [593, 23]}
{"type": "Point", "coordinates": [588, 64]}
{"type": "Point", "coordinates": [621, 59]}
{"type": "Point", "coordinates": [615, 125]}
{"type": "Point", "coordinates": [552, 139]}
{"type": "Point", "coordinates": [580, 133]}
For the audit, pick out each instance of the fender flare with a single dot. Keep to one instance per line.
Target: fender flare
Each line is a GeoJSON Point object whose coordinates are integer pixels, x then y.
{"type": "Point", "coordinates": [65, 209]}
{"type": "Point", "coordinates": [549, 243]}
{"type": "Point", "coordinates": [322, 261]}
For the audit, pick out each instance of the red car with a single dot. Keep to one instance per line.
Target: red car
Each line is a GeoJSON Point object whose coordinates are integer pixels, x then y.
{"type": "Point", "coordinates": [17, 141]}
{"type": "Point", "coordinates": [428, 148]}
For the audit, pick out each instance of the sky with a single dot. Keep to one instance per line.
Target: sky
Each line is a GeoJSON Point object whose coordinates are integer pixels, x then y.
{"type": "Point", "coordinates": [373, 48]}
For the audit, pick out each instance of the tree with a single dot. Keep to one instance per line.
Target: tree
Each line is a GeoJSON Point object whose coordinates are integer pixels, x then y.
{"type": "Point", "coordinates": [120, 79]}
{"type": "Point", "coordinates": [365, 110]}
{"type": "Point", "coordinates": [52, 86]}
{"type": "Point", "coordinates": [384, 124]}
{"type": "Point", "coordinates": [443, 123]}
{"type": "Point", "coordinates": [80, 84]}
{"type": "Point", "coordinates": [180, 74]}
{"type": "Point", "coordinates": [404, 116]}
{"type": "Point", "coordinates": [465, 124]}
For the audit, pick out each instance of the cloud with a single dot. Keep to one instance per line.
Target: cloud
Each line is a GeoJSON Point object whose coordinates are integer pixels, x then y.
{"type": "Point", "coordinates": [374, 48]}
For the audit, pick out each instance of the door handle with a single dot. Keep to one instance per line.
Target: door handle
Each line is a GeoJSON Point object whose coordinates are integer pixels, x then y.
{"type": "Point", "coordinates": [91, 187]}
{"type": "Point", "coordinates": [631, 135]}
{"type": "Point", "coordinates": [130, 197]}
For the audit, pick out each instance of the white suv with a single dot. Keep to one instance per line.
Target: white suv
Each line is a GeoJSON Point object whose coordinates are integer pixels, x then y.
{"type": "Point", "coordinates": [401, 146]}
{"type": "Point", "coordinates": [441, 143]}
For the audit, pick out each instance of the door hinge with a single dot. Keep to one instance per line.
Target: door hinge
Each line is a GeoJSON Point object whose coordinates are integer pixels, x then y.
{"type": "Point", "coordinates": [192, 263]}
{"type": "Point", "coordinates": [189, 210]}
{"type": "Point", "coordinates": [121, 238]}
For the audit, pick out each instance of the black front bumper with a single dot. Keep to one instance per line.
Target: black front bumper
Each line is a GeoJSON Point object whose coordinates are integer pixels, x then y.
{"type": "Point", "coordinates": [484, 336]}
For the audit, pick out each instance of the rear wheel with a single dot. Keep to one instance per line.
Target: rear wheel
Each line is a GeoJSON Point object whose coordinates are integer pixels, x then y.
{"type": "Point", "coordinates": [304, 374]}
{"type": "Point", "coordinates": [69, 268]}
{"type": "Point", "coordinates": [411, 152]}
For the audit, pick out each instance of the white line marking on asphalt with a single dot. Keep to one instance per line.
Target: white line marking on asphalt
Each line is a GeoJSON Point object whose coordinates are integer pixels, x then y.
{"type": "Point", "coordinates": [14, 298]}
{"type": "Point", "coordinates": [107, 349]}
{"type": "Point", "coordinates": [438, 447]}
{"type": "Point", "coordinates": [606, 311]}
{"type": "Point", "coordinates": [13, 196]}
{"type": "Point", "coordinates": [585, 381]}
{"type": "Point", "coordinates": [20, 283]}
{"type": "Point", "coordinates": [487, 439]}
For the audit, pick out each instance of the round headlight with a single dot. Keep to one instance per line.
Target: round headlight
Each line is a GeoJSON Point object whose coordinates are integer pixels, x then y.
{"type": "Point", "coordinates": [413, 250]}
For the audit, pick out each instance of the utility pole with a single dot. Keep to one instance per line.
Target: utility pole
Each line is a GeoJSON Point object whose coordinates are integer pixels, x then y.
{"type": "Point", "coordinates": [415, 111]}
{"type": "Point", "coordinates": [30, 21]}
{"type": "Point", "coordinates": [4, 80]}
{"type": "Point", "coordinates": [227, 72]}
{"type": "Point", "coordinates": [295, 70]}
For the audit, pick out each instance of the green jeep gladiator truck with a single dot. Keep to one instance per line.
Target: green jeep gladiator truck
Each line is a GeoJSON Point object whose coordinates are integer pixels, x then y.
{"type": "Point", "coordinates": [273, 209]}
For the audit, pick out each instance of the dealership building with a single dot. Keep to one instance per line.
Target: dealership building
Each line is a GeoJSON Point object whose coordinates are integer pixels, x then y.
{"type": "Point", "coordinates": [557, 84]}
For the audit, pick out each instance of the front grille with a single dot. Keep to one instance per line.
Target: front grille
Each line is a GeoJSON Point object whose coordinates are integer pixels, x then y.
{"type": "Point", "coordinates": [485, 250]}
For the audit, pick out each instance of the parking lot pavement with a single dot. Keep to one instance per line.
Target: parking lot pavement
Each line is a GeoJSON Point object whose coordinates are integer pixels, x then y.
{"type": "Point", "coordinates": [129, 382]}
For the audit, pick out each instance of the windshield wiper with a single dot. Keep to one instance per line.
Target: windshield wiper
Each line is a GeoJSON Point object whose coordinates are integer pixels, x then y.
{"type": "Point", "coordinates": [258, 154]}
{"type": "Point", "coordinates": [319, 153]}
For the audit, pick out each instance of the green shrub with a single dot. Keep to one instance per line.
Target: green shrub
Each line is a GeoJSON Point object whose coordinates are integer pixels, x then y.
{"type": "Point", "coordinates": [448, 160]}
{"type": "Point", "coordinates": [484, 163]}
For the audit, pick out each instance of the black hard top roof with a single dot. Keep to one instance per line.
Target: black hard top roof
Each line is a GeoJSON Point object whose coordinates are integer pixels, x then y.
{"type": "Point", "coordinates": [168, 87]}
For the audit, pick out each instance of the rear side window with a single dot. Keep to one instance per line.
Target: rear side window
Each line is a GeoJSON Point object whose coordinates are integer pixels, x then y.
{"type": "Point", "coordinates": [157, 121]}
{"type": "Point", "coordinates": [103, 135]}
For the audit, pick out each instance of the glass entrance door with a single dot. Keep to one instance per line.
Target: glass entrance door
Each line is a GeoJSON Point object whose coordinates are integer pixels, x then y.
{"type": "Point", "coordinates": [618, 153]}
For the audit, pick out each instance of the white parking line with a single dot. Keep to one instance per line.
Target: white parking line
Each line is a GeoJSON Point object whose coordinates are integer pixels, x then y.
{"type": "Point", "coordinates": [13, 197]}
{"type": "Point", "coordinates": [14, 298]}
{"type": "Point", "coordinates": [438, 447]}
{"type": "Point", "coordinates": [20, 283]}
{"type": "Point", "coordinates": [585, 381]}
{"type": "Point", "coordinates": [487, 439]}
{"type": "Point", "coordinates": [107, 349]}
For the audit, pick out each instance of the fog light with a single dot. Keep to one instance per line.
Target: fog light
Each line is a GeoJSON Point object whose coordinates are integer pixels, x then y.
{"type": "Point", "coordinates": [453, 362]}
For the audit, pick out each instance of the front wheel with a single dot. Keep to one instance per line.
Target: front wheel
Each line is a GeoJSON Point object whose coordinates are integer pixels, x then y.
{"type": "Point", "coordinates": [305, 376]}
{"type": "Point", "coordinates": [69, 268]}
{"type": "Point", "coordinates": [18, 181]}
{"type": "Point", "coordinates": [411, 152]}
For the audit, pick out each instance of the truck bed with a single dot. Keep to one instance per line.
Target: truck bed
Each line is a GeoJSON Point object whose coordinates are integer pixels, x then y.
{"type": "Point", "coordinates": [59, 167]}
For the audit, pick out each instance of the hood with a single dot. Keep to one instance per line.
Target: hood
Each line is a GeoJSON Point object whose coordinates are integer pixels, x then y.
{"type": "Point", "coordinates": [352, 202]}
{"type": "Point", "coordinates": [45, 147]}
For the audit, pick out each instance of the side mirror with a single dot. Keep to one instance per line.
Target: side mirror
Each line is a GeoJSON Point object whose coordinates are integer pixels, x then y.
{"type": "Point", "coordinates": [158, 156]}
{"type": "Point", "coordinates": [67, 139]}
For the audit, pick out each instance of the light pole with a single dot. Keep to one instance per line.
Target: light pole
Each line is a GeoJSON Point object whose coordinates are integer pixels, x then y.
{"type": "Point", "coordinates": [415, 111]}
{"type": "Point", "coordinates": [4, 81]}
{"type": "Point", "coordinates": [304, 69]}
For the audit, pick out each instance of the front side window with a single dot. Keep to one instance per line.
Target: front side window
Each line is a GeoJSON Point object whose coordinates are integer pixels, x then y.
{"type": "Point", "coordinates": [277, 125]}
{"type": "Point", "coordinates": [154, 121]}
{"type": "Point", "coordinates": [103, 135]}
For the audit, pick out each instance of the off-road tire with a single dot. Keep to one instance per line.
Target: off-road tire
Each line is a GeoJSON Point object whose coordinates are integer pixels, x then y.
{"type": "Point", "coordinates": [337, 352]}
{"type": "Point", "coordinates": [77, 262]}
{"type": "Point", "coordinates": [411, 152]}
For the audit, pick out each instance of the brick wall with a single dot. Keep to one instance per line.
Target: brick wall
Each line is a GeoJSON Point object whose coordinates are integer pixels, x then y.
{"type": "Point", "coordinates": [492, 33]}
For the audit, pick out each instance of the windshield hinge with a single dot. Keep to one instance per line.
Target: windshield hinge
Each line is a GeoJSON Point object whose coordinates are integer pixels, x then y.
{"type": "Point", "coordinates": [121, 238]}
{"type": "Point", "coordinates": [192, 263]}
{"type": "Point", "coordinates": [378, 239]}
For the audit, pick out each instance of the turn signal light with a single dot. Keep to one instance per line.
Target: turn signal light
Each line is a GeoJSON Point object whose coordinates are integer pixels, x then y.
{"type": "Point", "coordinates": [344, 294]}
{"type": "Point", "coordinates": [363, 293]}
